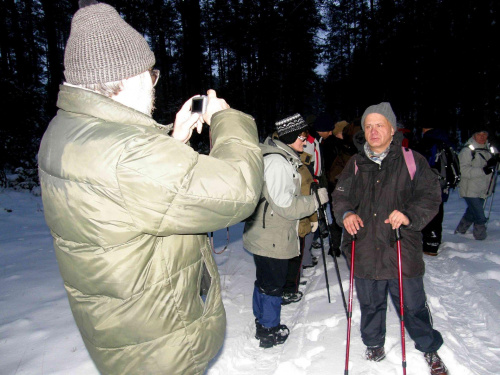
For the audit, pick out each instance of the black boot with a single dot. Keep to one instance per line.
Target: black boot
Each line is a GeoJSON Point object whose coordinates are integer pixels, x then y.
{"type": "Point", "coordinates": [463, 226]}
{"type": "Point", "coordinates": [479, 232]}
{"type": "Point", "coordinates": [270, 337]}
{"type": "Point", "coordinates": [375, 353]}
{"type": "Point", "coordinates": [289, 298]}
{"type": "Point", "coordinates": [435, 364]}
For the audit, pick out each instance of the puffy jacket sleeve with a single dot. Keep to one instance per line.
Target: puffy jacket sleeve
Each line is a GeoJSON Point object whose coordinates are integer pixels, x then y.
{"type": "Point", "coordinates": [169, 188]}
{"type": "Point", "coordinates": [281, 190]}
{"type": "Point", "coordinates": [426, 198]}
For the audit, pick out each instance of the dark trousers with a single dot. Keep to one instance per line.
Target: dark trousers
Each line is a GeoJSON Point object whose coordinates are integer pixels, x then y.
{"type": "Point", "coordinates": [293, 274]}
{"type": "Point", "coordinates": [432, 233]}
{"type": "Point", "coordinates": [270, 279]}
{"type": "Point", "coordinates": [336, 232]}
{"type": "Point", "coordinates": [372, 295]}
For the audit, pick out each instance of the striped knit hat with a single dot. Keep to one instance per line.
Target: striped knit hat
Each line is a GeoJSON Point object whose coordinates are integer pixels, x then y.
{"type": "Point", "coordinates": [102, 47]}
{"type": "Point", "coordinates": [290, 128]}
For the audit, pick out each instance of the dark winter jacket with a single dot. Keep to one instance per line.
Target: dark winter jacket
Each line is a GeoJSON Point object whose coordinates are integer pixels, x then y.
{"type": "Point", "coordinates": [434, 140]}
{"type": "Point", "coordinates": [345, 151]}
{"type": "Point", "coordinates": [373, 193]}
{"type": "Point", "coordinates": [127, 206]}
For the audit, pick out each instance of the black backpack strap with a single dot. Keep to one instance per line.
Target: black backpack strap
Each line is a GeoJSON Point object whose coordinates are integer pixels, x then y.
{"type": "Point", "coordinates": [266, 205]}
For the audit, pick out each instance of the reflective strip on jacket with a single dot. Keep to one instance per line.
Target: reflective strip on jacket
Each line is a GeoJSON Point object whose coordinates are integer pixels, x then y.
{"type": "Point", "coordinates": [474, 182]}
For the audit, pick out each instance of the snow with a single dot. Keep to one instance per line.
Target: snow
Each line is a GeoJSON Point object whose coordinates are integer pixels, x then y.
{"type": "Point", "coordinates": [38, 334]}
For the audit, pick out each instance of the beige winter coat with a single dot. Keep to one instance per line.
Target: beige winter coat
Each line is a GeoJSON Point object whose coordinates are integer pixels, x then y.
{"type": "Point", "coordinates": [272, 230]}
{"type": "Point", "coordinates": [129, 207]}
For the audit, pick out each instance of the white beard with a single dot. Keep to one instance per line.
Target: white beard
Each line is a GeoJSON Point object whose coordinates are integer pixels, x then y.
{"type": "Point", "coordinates": [145, 99]}
{"type": "Point", "coordinates": [138, 93]}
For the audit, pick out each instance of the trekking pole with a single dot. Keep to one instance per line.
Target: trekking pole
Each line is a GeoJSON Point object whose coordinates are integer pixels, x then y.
{"type": "Point", "coordinates": [318, 211]}
{"type": "Point", "coordinates": [401, 303]}
{"type": "Point", "coordinates": [330, 238]}
{"type": "Point", "coordinates": [492, 196]}
{"type": "Point", "coordinates": [349, 314]}
{"type": "Point", "coordinates": [493, 178]}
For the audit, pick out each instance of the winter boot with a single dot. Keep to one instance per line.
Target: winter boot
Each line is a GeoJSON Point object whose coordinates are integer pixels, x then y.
{"type": "Point", "coordinates": [463, 226]}
{"type": "Point", "coordinates": [288, 298]}
{"type": "Point", "coordinates": [270, 337]}
{"type": "Point", "coordinates": [316, 245]}
{"type": "Point", "coordinates": [334, 252]}
{"type": "Point", "coordinates": [479, 232]}
{"type": "Point", "coordinates": [313, 263]}
{"type": "Point", "coordinates": [435, 364]}
{"type": "Point", "coordinates": [375, 353]}
{"type": "Point", "coordinates": [431, 244]}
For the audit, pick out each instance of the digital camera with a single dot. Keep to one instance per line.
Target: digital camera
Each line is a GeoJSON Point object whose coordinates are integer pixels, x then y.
{"type": "Point", "coordinates": [199, 104]}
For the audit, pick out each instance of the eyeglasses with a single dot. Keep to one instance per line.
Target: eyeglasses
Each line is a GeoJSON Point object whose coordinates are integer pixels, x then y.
{"type": "Point", "coordinates": [155, 76]}
{"type": "Point", "coordinates": [303, 139]}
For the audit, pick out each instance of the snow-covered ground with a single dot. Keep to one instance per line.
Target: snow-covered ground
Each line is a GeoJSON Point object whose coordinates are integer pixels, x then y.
{"type": "Point", "coordinates": [38, 334]}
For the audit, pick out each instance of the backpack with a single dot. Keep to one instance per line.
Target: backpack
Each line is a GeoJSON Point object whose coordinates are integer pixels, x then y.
{"type": "Point", "coordinates": [444, 160]}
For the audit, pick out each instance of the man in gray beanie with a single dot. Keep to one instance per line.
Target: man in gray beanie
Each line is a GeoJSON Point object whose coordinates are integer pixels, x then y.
{"type": "Point", "coordinates": [377, 193]}
{"type": "Point", "coordinates": [126, 199]}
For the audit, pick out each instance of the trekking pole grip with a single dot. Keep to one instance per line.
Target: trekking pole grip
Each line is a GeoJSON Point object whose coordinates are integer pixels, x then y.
{"type": "Point", "coordinates": [354, 237]}
{"type": "Point", "coordinates": [398, 234]}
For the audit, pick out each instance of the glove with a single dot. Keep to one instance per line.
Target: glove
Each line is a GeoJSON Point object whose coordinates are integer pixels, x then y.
{"type": "Point", "coordinates": [323, 196]}
{"type": "Point", "coordinates": [314, 226]}
{"type": "Point", "coordinates": [492, 162]}
{"type": "Point", "coordinates": [488, 170]}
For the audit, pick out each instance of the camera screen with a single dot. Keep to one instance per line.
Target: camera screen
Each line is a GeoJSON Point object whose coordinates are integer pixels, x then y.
{"type": "Point", "coordinates": [197, 105]}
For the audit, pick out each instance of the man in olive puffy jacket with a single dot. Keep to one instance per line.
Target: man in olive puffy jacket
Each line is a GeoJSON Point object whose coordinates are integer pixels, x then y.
{"type": "Point", "coordinates": [129, 205]}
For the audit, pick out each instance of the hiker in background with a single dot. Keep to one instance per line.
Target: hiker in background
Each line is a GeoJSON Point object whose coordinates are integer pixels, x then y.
{"type": "Point", "coordinates": [322, 130]}
{"type": "Point", "coordinates": [478, 161]}
{"type": "Point", "coordinates": [344, 131]}
{"type": "Point", "coordinates": [372, 199]}
{"type": "Point", "coordinates": [307, 226]}
{"type": "Point", "coordinates": [407, 136]}
{"type": "Point", "coordinates": [437, 148]}
{"type": "Point", "coordinates": [312, 160]}
{"type": "Point", "coordinates": [271, 232]}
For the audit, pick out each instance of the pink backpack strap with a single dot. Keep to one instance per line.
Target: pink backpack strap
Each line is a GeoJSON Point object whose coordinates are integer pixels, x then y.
{"type": "Point", "coordinates": [410, 162]}
{"type": "Point", "coordinates": [355, 168]}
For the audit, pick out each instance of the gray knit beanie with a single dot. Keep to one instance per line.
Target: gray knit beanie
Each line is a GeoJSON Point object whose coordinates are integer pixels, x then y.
{"type": "Point", "coordinates": [383, 109]}
{"type": "Point", "coordinates": [102, 47]}
{"type": "Point", "coordinates": [290, 128]}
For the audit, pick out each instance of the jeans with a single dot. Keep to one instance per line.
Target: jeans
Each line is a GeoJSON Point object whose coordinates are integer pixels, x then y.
{"type": "Point", "coordinates": [475, 211]}
{"type": "Point", "coordinates": [271, 277]}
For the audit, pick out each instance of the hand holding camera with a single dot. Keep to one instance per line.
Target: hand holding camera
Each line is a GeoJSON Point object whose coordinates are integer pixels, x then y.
{"type": "Point", "coordinates": [185, 122]}
{"type": "Point", "coordinates": [193, 112]}
{"type": "Point", "coordinates": [214, 105]}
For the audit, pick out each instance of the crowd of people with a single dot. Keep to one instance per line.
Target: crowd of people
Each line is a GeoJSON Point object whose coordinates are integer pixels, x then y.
{"type": "Point", "coordinates": [126, 199]}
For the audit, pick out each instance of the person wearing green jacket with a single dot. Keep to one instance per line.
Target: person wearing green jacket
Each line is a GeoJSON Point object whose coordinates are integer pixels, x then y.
{"type": "Point", "coordinates": [128, 203]}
